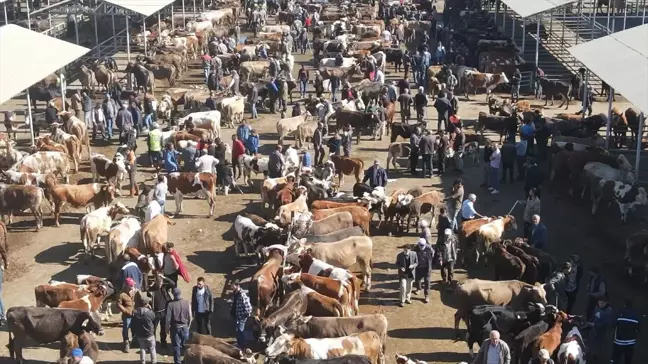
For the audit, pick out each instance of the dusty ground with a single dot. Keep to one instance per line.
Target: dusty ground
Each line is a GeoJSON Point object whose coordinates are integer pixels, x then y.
{"type": "Point", "coordinates": [420, 330]}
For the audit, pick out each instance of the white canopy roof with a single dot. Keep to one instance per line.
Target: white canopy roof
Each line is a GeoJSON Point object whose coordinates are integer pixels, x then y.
{"type": "Point", "coordinates": [27, 57]}
{"type": "Point", "coordinates": [621, 60]}
{"type": "Point", "coordinates": [527, 8]}
{"type": "Point", "coordinates": [144, 7]}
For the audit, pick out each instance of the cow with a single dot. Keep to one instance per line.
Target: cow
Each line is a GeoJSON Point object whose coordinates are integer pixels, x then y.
{"type": "Point", "coordinates": [551, 339]}
{"type": "Point", "coordinates": [572, 350]}
{"type": "Point", "coordinates": [76, 127]}
{"type": "Point", "coordinates": [366, 343]}
{"type": "Point", "coordinates": [258, 69]}
{"type": "Point", "coordinates": [269, 189]}
{"type": "Point", "coordinates": [124, 234]}
{"type": "Point", "coordinates": [361, 216]}
{"type": "Point", "coordinates": [86, 342]}
{"type": "Point", "coordinates": [293, 305]}
{"type": "Point", "coordinates": [113, 171]}
{"type": "Point", "coordinates": [626, 196]}
{"type": "Point", "coordinates": [325, 286]}
{"type": "Point", "coordinates": [531, 263]}
{"type": "Point", "coordinates": [253, 163]}
{"type": "Point", "coordinates": [547, 262]}
{"type": "Point", "coordinates": [24, 178]}
{"type": "Point", "coordinates": [232, 109]}
{"type": "Point", "coordinates": [20, 198]}
{"type": "Point", "coordinates": [305, 132]}
{"type": "Point", "coordinates": [202, 354]}
{"type": "Point", "coordinates": [319, 304]}
{"type": "Point", "coordinates": [90, 195]}
{"type": "Point", "coordinates": [248, 235]}
{"type": "Point", "coordinates": [44, 325]}
{"type": "Point", "coordinates": [500, 124]}
{"type": "Point", "coordinates": [506, 265]}
{"type": "Point", "coordinates": [207, 120]}
{"type": "Point", "coordinates": [223, 347]}
{"type": "Point", "coordinates": [473, 292]}
{"type": "Point", "coordinates": [45, 163]}
{"type": "Point", "coordinates": [427, 202]}
{"type": "Point", "coordinates": [472, 81]}
{"type": "Point", "coordinates": [91, 301]}
{"type": "Point", "coordinates": [303, 224]}
{"type": "Point", "coordinates": [265, 280]}
{"type": "Point", "coordinates": [346, 359]}
{"type": "Point", "coordinates": [636, 250]}
{"type": "Point", "coordinates": [395, 151]}
{"type": "Point", "coordinates": [359, 120]}
{"type": "Point", "coordinates": [56, 292]}
{"type": "Point", "coordinates": [347, 166]}
{"type": "Point", "coordinates": [492, 232]}
{"type": "Point", "coordinates": [556, 88]}
{"type": "Point", "coordinates": [402, 130]}
{"type": "Point", "coordinates": [335, 236]}
{"type": "Point", "coordinates": [330, 327]}
{"type": "Point", "coordinates": [154, 235]}
{"type": "Point", "coordinates": [181, 183]}
{"type": "Point", "coordinates": [69, 144]}
{"type": "Point", "coordinates": [289, 126]}
{"type": "Point", "coordinates": [330, 62]}
{"type": "Point", "coordinates": [97, 223]}
{"type": "Point", "coordinates": [284, 213]}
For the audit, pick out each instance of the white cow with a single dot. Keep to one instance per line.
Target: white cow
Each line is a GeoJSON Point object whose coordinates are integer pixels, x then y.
{"type": "Point", "coordinates": [291, 159]}
{"type": "Point", "coordinates": [97, 223]}
{"type": "Point", "coordinates": [571, 350]}
{"type": "Point", "coordinates": [233, 109]}
{"type": "Point", "coordinates": [594, 171]}
{"type": "Point", "coordinates": [209, 120]}
{"type": "Point", "coordinates": [288, 126]}
{"type": "Point", "coordinates": [24, 178]}
{"type": "Point", "coordinates": [253, 164]}
{"type": "Point", "coordinates": [125, 234]}
{"type": "Point", "coordinates": [45, 163]}
{"type": "Point", "coordinates": [330, 62]}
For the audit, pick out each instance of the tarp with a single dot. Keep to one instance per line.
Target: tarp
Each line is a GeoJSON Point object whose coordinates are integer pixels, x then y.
{"type": "Point", "coordinates": [527, 8]}
{"type": "Point", "coordinates": [144, 7]}
{"type": "Point", "coordinates": [621, 60]}
{"type": "Point", "coordinates": [27, 57]}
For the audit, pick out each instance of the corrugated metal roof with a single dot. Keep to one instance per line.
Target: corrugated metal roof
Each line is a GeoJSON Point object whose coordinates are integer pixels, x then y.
{"type": "Point", "coordinates": [527, 8]}
{"type": "Point", "coordinates": [27, 57]}
{"type": "Point", "coordinates": [144, 7]}
{"type": "Point", "coordinates": [621, 60]}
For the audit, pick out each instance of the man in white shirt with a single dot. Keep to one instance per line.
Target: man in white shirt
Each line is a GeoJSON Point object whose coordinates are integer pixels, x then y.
{"type": "Point", "coordinates": [380, 77]}
{"type": "Point", "coordinates": [468, 211]}
{"type": "Point", "coordinates": [493, 351]}
{"type": "Point", "coordinates": [206, 163]}
{"type": "Point", "coordinates": [152, 210]}
{"type": "Point", "coordinates": [160, 191]}
{"type": "Point", "coordinates": [495, 160]}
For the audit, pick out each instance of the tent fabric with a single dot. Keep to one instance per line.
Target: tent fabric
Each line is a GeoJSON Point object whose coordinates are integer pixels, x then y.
{"type": "Point", "coordinates": [527, 8]}
{"type": "Point", "coordinates": [621, 60]}
{"type": "Point", "coordinates": [143, 7]}
{"type": "Point", "coordinates": [27, 57]}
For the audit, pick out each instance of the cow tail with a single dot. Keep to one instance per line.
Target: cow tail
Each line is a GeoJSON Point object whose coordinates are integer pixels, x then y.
{"type": "Point", "coordinates": [10, 346]}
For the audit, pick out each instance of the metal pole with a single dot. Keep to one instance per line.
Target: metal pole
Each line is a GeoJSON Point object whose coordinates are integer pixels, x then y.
{"type": "Point", "coordinates": [203, 4]}
{"type": "Point", "coordinates": [642, 120]}
{"type": "Point", "coordinates": [608, 131]}
{"type": "Point", "coordinates": [504, 20]}
{"type": "Point", "coordinates": [584, 94]}
{"type": "Point", "coordinates": [592, 21]}
{"type": "Point", "coordinates": [643, 17]}
{"type": "Point", "coordinates": [537, 50]}
{"type": "Point", "coordinates": [184, 21]}
{"type": "Point", "coordinates": [128, 55]}
{"type": "Point", "coordinates": [172, 20]}
{"type": "Point", "coordinates": [76, 26]}
{"type": "Point", "coordinates": [4, 6]}
{"type": "Point", "coordinates": [114, 35]}
{"type": "Point", "coordinates": [608, 19]}
{"type": "Point", "coordinates": [523, 35]}
{"type": "Point", "coordinates": [625, 15]}
{"type": "Point", "coordinates": [562, 36]}
{"type": "Point", "coordinates": [144, 32]}
{"type": "Point", "coordinates": [614, 24]}
{"type": "Point", "coordinates": [63, 84]}
{"type": "Point", "coordinates": [31, 119]}
{"type": "Point", "coordinates": [96, 35]}
{"type": "Point", "coordinates": [49, 15]}
{"type": "Point", "coordinates": [28, 17]}
{"type": "Point", "coordinates": [195, 11]}
{"type": "Point", "coordinates": [159, 26]}
{"type": "Point", "coordinates": [513, 27]}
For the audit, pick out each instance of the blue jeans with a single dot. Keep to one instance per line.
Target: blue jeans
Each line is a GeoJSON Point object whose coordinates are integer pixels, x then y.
{"type": "Point", "coordinates": [179, 335]}
{"type": "Point", "coordinates": [161, 205]}
{"type": "Point", "coordinates": [148, 120]}
{"type": "Point", "coordinates": [302, 87]}
{"type": "Point", "coordinates": [253, 110]}
{"type": "Point", "coordinates": [240, 334]}
{"type": "Point", "coordinates": [126, 322]}
{"type": "Point", "coordinates": [2, 309]}
{"type": "Point", "coordinates": [206, 73]}
{"type": "Point", "coordinates": [109, 126]}
{"type": "Point", "coordinates": [495, 178]}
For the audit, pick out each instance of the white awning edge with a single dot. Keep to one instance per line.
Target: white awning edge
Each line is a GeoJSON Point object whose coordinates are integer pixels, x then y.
{"type": "Point", "coordinates": [27, 57]}
{"type": "Point", "coordinates": [621, 60]}
{"type": "Point", "coordinates": [527, 8]}
{"type": "Point", "coordinates": [143, 7]}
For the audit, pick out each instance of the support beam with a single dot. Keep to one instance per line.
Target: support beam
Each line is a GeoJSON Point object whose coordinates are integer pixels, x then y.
{"type": "Point", "coordinates": [4, 6]}
{"type": "Point", "coordinates": [49, 15]}
{"type": "Point", "coordinates": [537, 48]}
{"type": "Point", "coordinates": [128, 55]}
{"type": "Point", "coordinates": [96, 33]}
{"type": "Point", "coordinates": [642, 121]}
{"type": "Point", "coordinates": [76, 28]}
{"type": "Point", "coordinates": [608, 130]}
{"type": "Point", "coordinates": [144, 33]}
{"type": "Point", "coordinates": [184, 20]}
{"type": "Point", "coordinates": [523, 35]}
{"type": "Point", "coordinates": [172, 18]}
{"type": "Point", "coordinates": [31, 118]}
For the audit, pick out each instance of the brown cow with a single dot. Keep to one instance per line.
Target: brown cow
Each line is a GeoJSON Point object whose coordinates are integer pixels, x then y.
{"type": "Point", "coordinates": [472, 81]}
{"type": "Point", "coordinates": [506, 265]}
{"type": "Point", "coordinates": [4, 246]}
{"type": "Point", "coordinates": [320, 305]}
{"type": "Point", "coordinates": [331, 223]}
{"type": "Point", "coordinates": [531, 263]}
{"type": "Point", "coordinates": [265, 281]}
{"type": "Point", "coordinates": [114, 171]}
{"type": "Point", "coordinates": [361, 216]}
{"type": "Point", "coordinates": [154, 235]}
{"type": "Point", "coordinates": [85, 342]}
{"type": "Point", "coordinates": [427, 202]}
{"type": "Point", "coordinates": [189, 182]}
{"type": "Point", "coordinates": [551, 339]}
{"type": "Point", "coordinates": [347, 166]}
{"type": "Point", "coordinates": [71, 146]}
{"type": "Point", "coordinates": [90, 195]}
{"type": "Point", "coordinates": [269, 189]}
{"type": "Point", "coordinates": [20, 198]}
{"type": "Point", "coordinates": [91, 301]}
{"type": "Point", "coordinates": [328, 287]}
{"type": "Point", "coordinates": [324, 204]}
{"type": "Point", "coordinates": [53, 294]}
{"type": "Point", "coordinates": [286, 194]}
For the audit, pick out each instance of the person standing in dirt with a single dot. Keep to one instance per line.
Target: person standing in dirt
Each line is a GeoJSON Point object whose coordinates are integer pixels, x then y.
{"type": "Point", "coordinates": [202, 305]}
{"type": "Point", "coordinates": [178, 318]}
{"type": "Point", "coordinates": [406, 261]}
{"type": "Point", "coordinates": [170, 265]}
{"type": "Point", "coordinates": [160, 297]}
{"type": "Point", "coordinates": [143, 324]}
{"type": "Point", "coordinates": [318, 144]}
{"type": "Point", "coordinates": [425, 255]}
{"type": "Point", "coordinates": [240, 311]}
{"type": "Point", "coordinates": [126, 305]}
{"type": "Point", "coordinates": [3, 266]}
{"type": "Point", "coordinates": [448, 251]}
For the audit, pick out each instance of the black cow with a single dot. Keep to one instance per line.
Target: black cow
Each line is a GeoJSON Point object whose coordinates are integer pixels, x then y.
{"type": "Point", "coordinates": [405, 131]}
{"type": "Point", "coordinates": [483, 319]}
{"type": "Point", "coordinates": [359, 189]}
{"type": "Point", "coordinates": [293, 306]}
{"type": "Point", "coordinates": [335, 236]}
{"type": "Point", "coordinates": [555, 88]}
{"type": "Point", "coordinates": [44, 325]}
{"type": "Point", "coordinates": [499, 124]}
{"type": "Point", "coordinates": [394, 56]}
{"type": "Point", "coordinates": [346, 359]}
{"type": "Point", "coordinates": [359, 121]}
{"type": "Point", "coordinates": [315, 192]}
{"type": "Point", "coordinates": [547, 262]}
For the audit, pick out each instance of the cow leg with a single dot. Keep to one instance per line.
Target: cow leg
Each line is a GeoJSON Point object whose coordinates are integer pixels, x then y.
{"type": "Point", "coordinates": [563, 101]}
{"type": "Point", "coordinates": [457, 317]}
{"type": "Point", "coordinates": [595, 202]}
{"type": "Point", "coordinates": [178, 201]}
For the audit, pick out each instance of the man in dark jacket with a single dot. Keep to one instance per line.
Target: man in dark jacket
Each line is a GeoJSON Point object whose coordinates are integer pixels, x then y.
{"type": "Point", "coordinates": [130, 270]}
{"type": "Point", "coordinates": [51, 113]}
{"type": "Point", "coordinates": [376, 175]}
{"type": "Point", "coordinates": [415, 138]}
{"type": "Point", "coordinates": [444, 110]}
{"type": "Point", "coordinates": [424, 254]}
{"type": "Point", "coordinates": [459, 143]}
{"type": "Point", "coordinates": [202, 305]}
{"type": "Point", "coordinates": [441, 151]}
{"type": "Point", "coordinates": [124, 120]}
{"type": "Point", "coordinates": [534, 176]}
{"type": "Point", "coordinates": [405, 100]}
{"type": "Point", "coordinates": [161, 296]}
{"type": "Point", "coordinates": [276, 163]}
{"type": "Point", "coordinates": [508, 159]}
{"type": "Point", "coordinates": [420, 103]}
{"type": "Point", "coordinates": [178, 318]}
{"type": "Point", "coordinates": [318, 144]}
{"type": "Point", "coordinates": [240, 311]}
{"type": "Point", "coordinates": [625, 334]}
{"type": "Point", "coordinates": [426, 149]}
{"type": "Point", "coordinates": [143, 325]}
{"type": "Point", "coordinates": [406, 261]}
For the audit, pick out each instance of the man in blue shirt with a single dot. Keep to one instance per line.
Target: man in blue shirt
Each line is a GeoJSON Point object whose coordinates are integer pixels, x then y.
{"type": "Point", "coordinates": [376, 175]}
{"type": "Point", "coordinates": [538, 233]}
{"type": "Point", "coordinates": [243, 131]}
{"type": "Point", "coordinates": [468, 211]}
{"type": "Point", "coordinates": [520, 151]}
{"type": "Point", "coordinates": [171, 159]}
{"type": "Point", "coordinates": [527, 133]}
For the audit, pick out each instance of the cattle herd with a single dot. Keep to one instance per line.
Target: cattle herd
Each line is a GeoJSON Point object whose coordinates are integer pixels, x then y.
{"type": "Point", "coordinates": [311, 242]}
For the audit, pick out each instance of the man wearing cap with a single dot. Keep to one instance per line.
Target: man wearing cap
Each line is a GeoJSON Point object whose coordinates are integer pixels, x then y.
{"type": "Point", "coordinates": [454, 206]}
{"type": "Point", "coordinates": [240, 311]}
{"type": "Point", "coordinates": [276, 163]}
{"type": "Point", "coordinates": [178, 318]}
{"type": "Point", "coordinates": [51, 113]}
{"type": "Point", "coordinates": [448, 256]}
{"type": "Point", "coordinates": [538, 233]}
{"type": "Point", "coordinates": [426, 232]}
{"type": "Point", "coordinates": [406, 261]}
{"type": "Point", "coordinates": [110, 111]}
{"type": "Point", "coordinates": [543, 358]}
{"type": "Point", "coordinates": [143, 326]}
{"type": "Point", "coordinates": [425, 255]}
{"type": "Point", "coordinates": [76, 103]}
{"type": "Point", "coordinates": [126, 304]}
{"type": "Point", "coordinates": [154, 143]}
{"type": "Point", "coordinates": [493, 351]}
{"type": "Point", "coordinates": [132, 271]}
{"type": "Point", "coordinates": [79, 358]}
{"type": "Point", "coordinates": [376, 175]}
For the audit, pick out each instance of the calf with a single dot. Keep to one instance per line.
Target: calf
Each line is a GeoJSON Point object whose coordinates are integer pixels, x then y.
{"type": "Point", "coordinates": [222, 346]}
{"type": "Point", "coordinates": [328, 287]}
{"type": "Point", "coordinates": [154, 235]}
{"type": "Point", "coordinates": [346, 359]}
{"type": "Point", "coordinates": [269, 190]}
{"type": "Point", "coordinates": [347, 166]}
{"type": "Point", "coordinates": [265, 279]}
{"type": "Point", "coordinates": [547, 262]}
{"type": "Point", "coordinates": [427, 202]}
{"type": "Point", "coordinates": [477, 80]}
{"type": "Point", "coordinates": [20, 198]}
{"type": "Point", "coordinates": [25, 178]}
{"type": "Point", "coordinates": [335, 236]}
{"type": "Point", "coordinates": [499, 124]}
{"type": "Point", "coordinates": [320, 305]}
{"type": "Point", "coordinates": [45, 163]}
{"type": "Point", "coordinates": [284, 214]}
{"type": "Point", "coordinates": [626, 196]}
{"type": "Point", "coordinates": [91, 301]}
{"type": "Point", "coordinates": [572, 350]}
{"type": "Point", "coordinates": [97, 223]}
{"type": "Point", "coordinates": [555, 88]}
{"type": "Point", "coordinates": [53, 294]}
{"type": "Point", "coordinates": [323, 204]}
{"type": "Point", "coordinates": [294, 305]}
{"type": "Point", "coordinates": [201, 354]}
{"type": "Point", "coordinates": [285, 195]}
{"type": "Point", "coordinates": [316, 267]}
{"type": "Point", "coordinates": [91, 195]}
{"type": "Point", "coordinates": [492, 232]}
{"type": "Point", "coordinates": [85, 342]}
{"type": "Point", "coordinates": [113, 171]}
{"type": "Point", "coordinates": [531, 264]}
{"type": "Point", "coordinates": [550, 340]}
{"type": "Point", "coordinates": [124, 234]}
{"type": "Point", "coordinates": [507, 266]}
{"type": "Point", "coordinates": [70, 145]}
{"type": "Point", "coordinates": [328, 327]}
{"type": "Point", "coordinates": [251, 237]}
{"type": "Point", "coordinates": [361, 216]}
{"type": "Point", "coordinates": [189, 182]}
{"type": "Point", "coordinates": [395, 151]}
{"type": "Point", "coordinates": [366, 343]}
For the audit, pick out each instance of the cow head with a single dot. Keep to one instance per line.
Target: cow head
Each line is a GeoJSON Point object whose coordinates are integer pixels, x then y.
{"type": "Point", "coordinates": [118, 208]}
{"type": "Point", "coordinates": [108, 193]}
{"type": "Point", "coordinates": [503, 78]}
{"type": "Point", "coordinates": [92, 323]}
{"type": "Point", "coordinates": [404, 200]}
{"type": "Point", "coordinates": [296, 245]}
{"type": "Point", "coordinates": [536, 293]}
{"type": "Point", "coordinates": [279, 345]}
{"type": "Point", "coordinates": [402, 359]}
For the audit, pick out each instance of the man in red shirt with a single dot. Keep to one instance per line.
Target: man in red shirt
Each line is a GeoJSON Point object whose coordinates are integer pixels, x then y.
{"type": "Point", "coordinates": [206, 63]}
{"type": "Point", "coordinates": [238, 149]}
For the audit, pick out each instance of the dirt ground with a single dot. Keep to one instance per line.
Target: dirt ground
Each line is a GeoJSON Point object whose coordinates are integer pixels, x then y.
{"type": "Point", "coordinates": [422, 331]}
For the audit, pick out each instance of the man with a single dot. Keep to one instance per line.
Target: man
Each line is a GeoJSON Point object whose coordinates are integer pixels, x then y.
{"type": "Point", "coordinates": [538, 234]}
{"type": "Point", "coordinates": [202, 305]}
{"type": "Point", "coordinates": [189, 157]}
{"type": "Point", "coordinates": [318, 83]}
{"type": "Point", "coordinates": [527, 133]}
{"type": "Point", "coordinates": [130, 270]}
{"type": "Point", "coordinates": [596, 288]}
{"type": "Point", "coordinates": [443, 108]}
{"type": "Point", "coordinates": [3, 317]}
{"type": "Point", "coordinates": [420, 103]}
{"type": "Point", "coordinates": [126, 304]}
{"type": "Point", "coordinates": [415, 139]}
{"type": "Point", "coordinates": [520, 157]}
{"type": "Point", "coordinates": [406, 261]}
{"type": "Point", "coordinates": [603, 318]}
{"type": "Point", "coordinates": [154, 143]}
{"type": "Point", "coordinates": [98, 122]}
{"type": "Point", "coordinates": [493, 351]}
{"type": "Point", "coordinates": [143, 325]}
{"type": "Point", "coordinates": [160, 296]}
{"type": "Point", "coordinates": [303, 77]}
{"type": "Point", "coordinates": [243, 131]}
{"type": "Point", "coordinates": [543, 358]}
{"type": "Point", "coordinates": [556, 284]}
{"type": "Point", "coordinates": [459, 144]}
{"type": "Point", "coordinates": [276, 163]}
{"type": "Point", "coordinates": [625, 334]}
{"type": "Point", "coordinates": [494, 165]}
{"type": "Point", "coordinates": [468, 211]}
{"type": "Point", "coordinates": [234, 84]}
{"type": "Point", "coordinates": [79, 358]}
{"type": "Point", "coordinates": [318, 144]}
{"type": "Point", "coordinates": [426, 149]}
{"type": "Point", "coordinates": [253, 95]}
{"type": "Point", "coordinates": [393, 92]}
{"type": "Point", "coordinates": [448, 256]}
{"type": "Point", "coordinates": [171, 159]}
{"type": "Point", "coordinates": [417, 61]}
{"type": "Point", "coordinates": [240, 311]}
{"type": "Point", "coordinates": [206, 65]}
{"type": "Point", "coordinates": [136, 113]}
{"type": "Point", "coordinates": [170, 262]}
{"type": "Point", "coordinates": [51, 113]}
{"type": "Point", "coordinates": [426, 232]}
{"type": "Point", "coordinates": [178, 317]}
{"type": "Point", "coordinates": [534, 176]}
{"type": "Point", "coordinates": [347, 140]}
{"type": "Point", "coordinates": [76, 103]}
{"type": "Point", "coordinates": [252, 144]}
{"type": "Point", "coordinates": [515, 85]}
{"type": "Point", "coordinates": [206, 163]}
{"type": "Point", "coordinates": [441, 151]}
{"type": "Point", "coordinates": [380, 77]}
{"type": "Point", "coordinates": [439, 53]}
{"type": "Point", "coordinates": [425, 255]}
{"type": "Point", "coordinates": [148, 113]}
{"type": "Point", "coordinates": [508, 159]}
{"type": "Point", "coordinates": [573, 282]}
{"type": "Point", "coordinates": [405, 100]}
{"type": "Point", "coordinates": [455, 202]}
{"type": "Point", "coordinates": [407, 62]}
{"type": "Point", "coordinates": [283, 94]}
{"type": "Point", "coordinates": [160, 191]}
{"type": "Point", "coordinates": [212, 81]}
{"type": "Point", "coordinates": [124, 121]}
{"type": "Point", "coordinates": [334, 81]}
{"type": "Point", "coordinates": [376, 175]}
